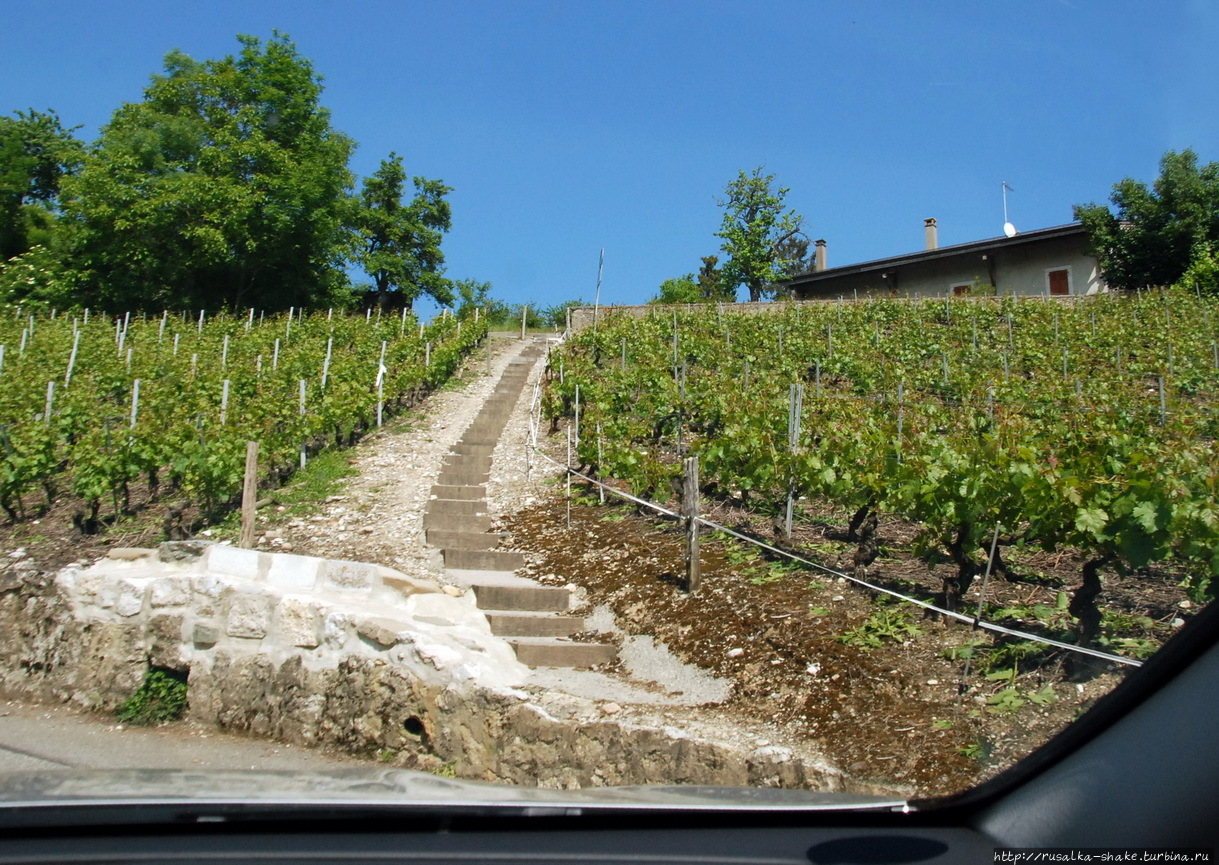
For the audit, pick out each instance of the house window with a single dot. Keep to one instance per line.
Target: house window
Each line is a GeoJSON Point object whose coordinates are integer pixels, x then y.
{"type": "Point", "coordinates": [962, 288]}
{"type": "Point", "coordinates": [1058, 280]}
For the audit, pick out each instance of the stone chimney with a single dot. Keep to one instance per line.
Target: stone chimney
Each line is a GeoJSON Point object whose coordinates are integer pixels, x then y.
{"type": "Point", "coordinates": [819, 257]}
{"type": "Point", "coordinates": [933, 237]}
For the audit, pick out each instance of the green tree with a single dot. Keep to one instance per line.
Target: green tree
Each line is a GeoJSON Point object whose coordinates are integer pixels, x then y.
{"type": "Point", "coordinates": [755, 231]}
{"type": "Point", "coordinates": [1159, 233]}
{"type": "Point", "coordinates": [36, 152]}
{"type": "Point", "coordinates": [711, 281]}
{"type": "Point", "coordinates": [400, 242]}
{"type": "Point", "coordinates": [470, 294]}
{"type": "Point", "coordinates": [225, 187]}
{"type": "Point", "coordinates": [556, 316]}
{"type": "Point", "coordinates": [707, 287]}
{"type": "Point", "coordinates": [683, 289]}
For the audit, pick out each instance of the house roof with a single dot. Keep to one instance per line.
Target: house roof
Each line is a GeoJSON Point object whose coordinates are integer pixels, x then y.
{"type": "Point", "coordinates": [974, 247]}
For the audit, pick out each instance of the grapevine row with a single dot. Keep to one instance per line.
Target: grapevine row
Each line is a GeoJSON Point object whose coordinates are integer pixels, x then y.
{"type": "Point", "coordinates": [90, 404]}
{"type": "Point", "coordinates": [1089, 424]}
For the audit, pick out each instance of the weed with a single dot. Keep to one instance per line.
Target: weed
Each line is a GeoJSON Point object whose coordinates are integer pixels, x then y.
{"type": "Point", "coordinates": [446, 770]}
{"type": "Point", "coordinates": [815, 586]}
{"type": "Point", "coordinates": [818, 612]}
{"type": "Point", "coordinates": [1005, 702]}
{"type": "Point", "coordinates": [826, 548]}
{"type": "Point", "coordinates": [161, 697]}
{"type": "Point", "coordinates": [978, 751]}
{"type": "Point", "coordinates": [942, 724]}
{"type": "Point", "coordinates": [1133, 647]}
{"type": "Point", "coordinates": [1057, 616]}
{"type": "Point", "coordinates": [1044, 697]}
{"type": "Point", "coordinates": [884, 625]}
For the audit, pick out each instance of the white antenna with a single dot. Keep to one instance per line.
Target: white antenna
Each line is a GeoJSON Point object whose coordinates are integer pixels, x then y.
{"type": "Point", "coordinates": [1008, 228]}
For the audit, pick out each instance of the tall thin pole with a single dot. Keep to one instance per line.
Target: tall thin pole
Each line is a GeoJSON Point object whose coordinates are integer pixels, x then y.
{"type": "Point", "coordinates": [597, 298]}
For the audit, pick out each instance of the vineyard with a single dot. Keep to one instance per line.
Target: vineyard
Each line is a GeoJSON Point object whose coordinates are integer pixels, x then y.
{"type": "Point", "coordinates": [1086, 424]}
{"type": "Point", "coordinates": [94, 407]}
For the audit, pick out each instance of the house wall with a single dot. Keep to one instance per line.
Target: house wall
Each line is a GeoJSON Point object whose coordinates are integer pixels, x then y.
{"type": "Point", "coordinates": [1017, 270]}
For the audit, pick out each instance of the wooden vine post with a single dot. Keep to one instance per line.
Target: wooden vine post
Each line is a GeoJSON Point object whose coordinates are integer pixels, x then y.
{"type": "Point", "coordinates": [249, 496]}
{"type": "Point", "coordinates": [689, 510]}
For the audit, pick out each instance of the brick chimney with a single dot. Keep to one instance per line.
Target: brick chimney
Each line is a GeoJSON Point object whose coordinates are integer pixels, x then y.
{"type": "Point", "coordinates": [819, 257]}
{"type": "Point", "coordinates": [933, 237]}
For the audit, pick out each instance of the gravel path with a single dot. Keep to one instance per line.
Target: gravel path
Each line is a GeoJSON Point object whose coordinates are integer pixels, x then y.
{"type": "Point", "coordinates": [379, 517]}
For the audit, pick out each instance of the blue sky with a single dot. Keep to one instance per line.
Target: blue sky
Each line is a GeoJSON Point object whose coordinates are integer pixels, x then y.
{"type": "Point", "coordinates": [568, 127]}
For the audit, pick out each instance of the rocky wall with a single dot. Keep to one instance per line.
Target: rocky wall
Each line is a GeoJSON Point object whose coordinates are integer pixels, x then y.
{"type": "Point", "coordinates": [342, 654]}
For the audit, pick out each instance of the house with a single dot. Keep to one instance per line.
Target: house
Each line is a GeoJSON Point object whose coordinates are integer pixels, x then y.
{"type": "Point", "coordinates": [1047, 261]}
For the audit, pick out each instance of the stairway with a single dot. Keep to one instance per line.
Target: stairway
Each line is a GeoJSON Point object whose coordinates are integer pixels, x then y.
{"type": "Point", "coordinates": [531, 617]}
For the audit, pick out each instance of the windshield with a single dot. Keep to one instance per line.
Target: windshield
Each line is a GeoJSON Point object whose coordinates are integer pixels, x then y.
{"type": "Point", "coordinates": [577, 396]}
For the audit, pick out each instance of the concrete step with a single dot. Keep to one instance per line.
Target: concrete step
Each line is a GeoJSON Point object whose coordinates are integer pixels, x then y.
{"type": "Point", "coordinates": [472, 578]}
{"type": "Point", "coordinates": [456, 522]}
{"type": "Point", "coordinates": [467, 450]}
{"type": "Point", "coordinates": [489, 560]}
{"type": "Point", "coordinates": [463, 476]}
{"type": "Point", "coordinates": [465, 492]}
{"type": "Point", "coordinates": [543, 652]}
{"type": "Point", "coordinates": [522, 597]}
{"type": "Point", "coordinates": [522, 623]}
{"type": "Point", "coordinates": [455, 506]}
{"type": "Point", "coordinates": [472, 461]}
{"type": "Point", "coordinates": [463, 540]}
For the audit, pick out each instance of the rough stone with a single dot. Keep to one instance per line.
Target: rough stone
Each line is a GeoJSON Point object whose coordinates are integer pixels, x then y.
{"type": "Point", "coordinates": [129, 554]}
{"type": "Point", "coordinates": [169, 592]}
{"type": "Point", "coordinates": [204, 635]}
{"type": "Point", "coordinates": [208, 585]}
{"type": "Point", "coordinates": [383, 632]}
{"type": "Point", "coordinates": [349, 575]}
{"type": "Point", "coordinates": [334, 630]}
{"type": "Point", "coordinates": [405, 585]}
{"type": "Point", "coordinates": [249, 615]}
{"type": "Point", "coordinates": [130, 600]}
{"type": "Point", "coordinates": [299, 624]}
{"type": "Point", "coordinates": [164, 638]}
{"type": "Point", "coordinates": [182, 551]}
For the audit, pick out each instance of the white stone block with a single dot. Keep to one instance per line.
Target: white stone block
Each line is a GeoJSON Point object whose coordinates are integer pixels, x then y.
{"type": "Point", "coordinates": [299, 623]}
{"type": "Point", "coordinates": [169, 592]}
{"type": "Point", "coordinates": [293, 572]}
{"type": "Point", "coordinates": [235, 562]}
{"type": "Point", "coordinates": [130, 598]}
{"type": "Point", "coordinates": [249, 615]}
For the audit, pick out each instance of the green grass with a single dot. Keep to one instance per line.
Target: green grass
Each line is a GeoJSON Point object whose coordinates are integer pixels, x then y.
{"type": "Point", "coordinates": [321, 478]}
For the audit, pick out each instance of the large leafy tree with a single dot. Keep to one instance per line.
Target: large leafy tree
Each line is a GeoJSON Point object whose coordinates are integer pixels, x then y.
{"type": "Point", "coordinates": [757, 233]}
{"type": "Point", "coordinates": [1158, 233]}
{"type": "Point", "coordinates": [225, 187]}
{"type": "Point", "coordinates": [35, 154]}
{"type": "Point", "coordinates": [400, 241]}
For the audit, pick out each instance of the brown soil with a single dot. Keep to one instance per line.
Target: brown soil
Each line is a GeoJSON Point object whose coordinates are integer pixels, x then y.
{"type": "Point", "coordinates": [894, 712]}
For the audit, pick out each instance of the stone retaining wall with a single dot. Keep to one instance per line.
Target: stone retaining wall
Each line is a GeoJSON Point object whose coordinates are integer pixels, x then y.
{"type": "Point", "coordinates": [356, 656]}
